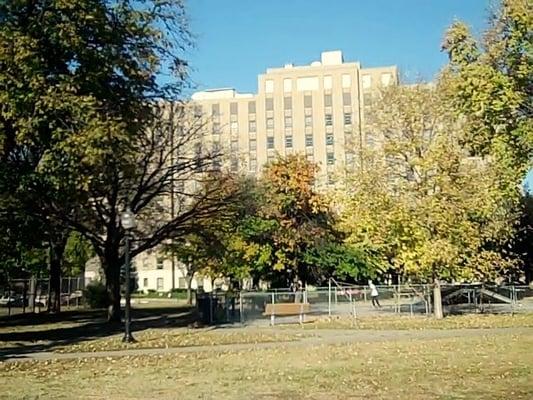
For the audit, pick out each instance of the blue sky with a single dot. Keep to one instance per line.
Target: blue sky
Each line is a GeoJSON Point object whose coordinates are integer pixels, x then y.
{"type": "Point", "coordinates": [238, 39]}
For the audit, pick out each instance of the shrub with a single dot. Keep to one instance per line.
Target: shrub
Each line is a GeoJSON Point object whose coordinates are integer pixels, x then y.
{"type": "Point", "coordinates": [96, 295]}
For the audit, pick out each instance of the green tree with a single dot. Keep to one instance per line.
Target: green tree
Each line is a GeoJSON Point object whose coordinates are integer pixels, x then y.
{"type": "Point", "coordinates": [489, 83]}
{"type": "Point", "coordinates": [77, 83]}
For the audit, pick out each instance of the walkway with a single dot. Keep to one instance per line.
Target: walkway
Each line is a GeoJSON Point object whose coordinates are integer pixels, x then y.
{"type": "Point", "coordinates": [317, 337]}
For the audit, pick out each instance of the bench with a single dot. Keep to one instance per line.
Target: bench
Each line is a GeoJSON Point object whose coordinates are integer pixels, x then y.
{"type": "Point", "coordinates": [280, 309]}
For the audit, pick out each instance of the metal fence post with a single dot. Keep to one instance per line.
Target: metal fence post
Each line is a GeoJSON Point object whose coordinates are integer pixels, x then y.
{"type": "Point", "coordinates": [241, 309]}
{"type": "Point", "coordinates": [329, 297]}
{"type": "Point", "coordinates": [272, 317]}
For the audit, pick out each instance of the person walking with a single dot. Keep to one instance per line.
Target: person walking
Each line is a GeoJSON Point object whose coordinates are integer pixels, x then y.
{"type": "Point", "coordinates": [374, 294]}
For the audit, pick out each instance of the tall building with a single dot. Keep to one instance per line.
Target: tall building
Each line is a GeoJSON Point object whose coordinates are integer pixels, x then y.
{"type": "Point", "coordinates": [316, 109]}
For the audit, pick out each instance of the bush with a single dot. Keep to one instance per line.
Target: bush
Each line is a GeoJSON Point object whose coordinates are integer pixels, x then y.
{"type": "Point", "coordinates": [96, 295]}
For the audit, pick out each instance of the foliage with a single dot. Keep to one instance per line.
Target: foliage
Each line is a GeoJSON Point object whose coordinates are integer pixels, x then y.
{"type": "Point", "coordinates": [489, 83]}
{"type": "Point", "coordinates": [78, 251]}
{"type": "Point", "coordinates": [96, 295]}
{"type": "Point", "coordinates": [420, 201]}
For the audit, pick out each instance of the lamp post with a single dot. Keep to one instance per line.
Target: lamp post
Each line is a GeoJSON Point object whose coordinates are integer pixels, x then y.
{"type": "Point", "coordinates": [127, 220]}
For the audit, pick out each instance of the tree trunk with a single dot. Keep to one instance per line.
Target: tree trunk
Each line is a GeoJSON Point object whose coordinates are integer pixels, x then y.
{"type": "Point", "coordinates": [57, 247]}
{"type": "Point", "coordinates": [437, 300]}
{"type": "Point", "coordinates": [111, 266]}
{"type": "Point", "coordinates": [189, 289]}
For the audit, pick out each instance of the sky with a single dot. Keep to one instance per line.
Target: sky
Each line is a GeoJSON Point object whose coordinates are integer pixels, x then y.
{"type": "Point", "coordinates": [238, 39]}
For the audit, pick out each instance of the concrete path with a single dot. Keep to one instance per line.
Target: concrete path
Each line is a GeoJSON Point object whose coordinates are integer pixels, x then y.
{"type": "Point", "coordinates": [317, 337]}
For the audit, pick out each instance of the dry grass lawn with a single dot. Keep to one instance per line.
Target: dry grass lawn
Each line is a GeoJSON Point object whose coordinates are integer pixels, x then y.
{"type": "Point", "coordinates": [479, 367]}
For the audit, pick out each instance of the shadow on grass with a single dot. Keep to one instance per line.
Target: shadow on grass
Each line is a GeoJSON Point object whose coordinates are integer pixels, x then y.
{"type": "Point", "coordinates": [90, 324]}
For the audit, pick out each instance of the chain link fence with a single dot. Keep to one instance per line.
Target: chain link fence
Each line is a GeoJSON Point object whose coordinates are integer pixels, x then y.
{"type": "Point", "coordinates": [20, 296]}
{"type": "Point", "coordinates": [282, 306]}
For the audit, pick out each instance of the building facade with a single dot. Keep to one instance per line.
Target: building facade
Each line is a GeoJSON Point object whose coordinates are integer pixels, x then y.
{"type": "Point", "coordinates": [317, 110]}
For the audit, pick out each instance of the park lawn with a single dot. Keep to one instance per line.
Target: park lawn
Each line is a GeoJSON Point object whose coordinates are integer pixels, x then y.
{"type": "Point", "coordinates": [478, 367]}
{"type": "Point", "coordinates": [393, 322]}
{"type": "Point", "coordinates": [165, 338]}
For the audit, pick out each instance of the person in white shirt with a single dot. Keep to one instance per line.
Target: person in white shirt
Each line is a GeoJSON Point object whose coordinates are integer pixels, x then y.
{"type": "Point", "coordinates": [374, 294]}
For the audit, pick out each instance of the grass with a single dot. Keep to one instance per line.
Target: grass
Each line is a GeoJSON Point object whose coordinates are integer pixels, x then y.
{"type": "Point", "coordinates": [165, 338]}
{"type": "Point", "coordinates": [480, 367]}
{"type": "Point", "coordinates": [384, 322]}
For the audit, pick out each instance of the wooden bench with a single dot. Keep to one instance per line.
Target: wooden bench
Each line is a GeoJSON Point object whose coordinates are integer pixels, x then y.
{"type": "Point", "coordinates": [280, 309]}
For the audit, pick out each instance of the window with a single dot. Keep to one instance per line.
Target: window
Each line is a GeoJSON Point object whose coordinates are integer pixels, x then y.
{"type": "Point", "coordinates": [251, 126]}
{"type": "Point", "coordinates": [329, 119]}
{"type": "Point", "coordinates": [234, 127]}
{"type": "Point", "coordinates": [346, 81]}
{"type": "Point", "coordinates": [288, 121]}
{"type": "Point", "coordinates": [308, 140]}
{"type": "Point", "coordinates": [270, 142]}
{"type": "Point", "coordinates": [145, 282]}
{"type": "Point", "coordinates": [330, 158]}
{"type": "Point", "coordinates": [287, 103]}
{"type": "Point", "coordinates": [269, 86]}
{"type": "Point", "coordinates": [253, 144]}
{"type": "Point", "coordinates": [308, 120]}
{"type": "Point", "coordinates": [347, 118]}
{"type": "Point", "coordinates": [197, 111]}
{"type": "Point", "coordinates": [310, 158]}
{"type": "Point", "coordinates": [288, 142]}
{"type": "Point", "coordinates": [329, 139]}
{"type": "Point", "coordinates": [386, 79]}
{"type": "Point", "coordinates": [159, 263]}
{"type": "Point", "coordinates": [269, 103]}
{"type": "Point", "coordinates": [367, 99]}
{"type": "Point", "coordinates": [234, 164]}
{"type": "Point", "coordinates": [182, 283]}
{"type": "Point", "coordinates": [234, 145]}
{"type": "Point", "coordinates": [346, 99]}
{"type": "Point", "coordinates": [253, 165]}
{"type": "Point", "coordinates": [159, 284]}
{"type": "Point", "coordinates": [270, 122]}
{"type": "Point", "coordinates": [367, 81]}
{"type": "Point", "coordinates": [233, 107]}
{"type": "Point", "coordinates": [328, 82]}
{"type": "Point", "coordinates": [308, 101]}
{"type": "Point", "coordinates": [349, 158]}
{"type": "Point", "coordinates": [216, 128]}
{"type": "Point", "coordinates": [251, 107]}
{"type": "Point", "coordinates": [287, 85]}
{"type": "Point", "coordinates": [327, 100]}
{"type": "Point", "coordinates": [215, 110]}
{"type": "Point", "coordinates": [307, 83]}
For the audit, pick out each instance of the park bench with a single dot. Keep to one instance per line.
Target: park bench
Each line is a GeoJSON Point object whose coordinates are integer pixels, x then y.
{"type": "Point", "coordinates": [286, 309]}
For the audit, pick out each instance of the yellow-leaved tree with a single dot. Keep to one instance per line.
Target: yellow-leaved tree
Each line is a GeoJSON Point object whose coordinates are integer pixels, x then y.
{"type": "Point", "coordinates": [431, 210]}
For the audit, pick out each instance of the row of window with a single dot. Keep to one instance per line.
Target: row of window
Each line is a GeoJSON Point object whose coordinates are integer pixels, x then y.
{"type": "Point", "coordinates": [269, 104]}
{"type": "Point", "coordinates": [312, 82]}
{"type": "Point", "coordinates": [308, 122]}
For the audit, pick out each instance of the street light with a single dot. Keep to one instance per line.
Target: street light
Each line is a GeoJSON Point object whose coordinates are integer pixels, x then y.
{"type": "Point", "coordinates": [127, 219]}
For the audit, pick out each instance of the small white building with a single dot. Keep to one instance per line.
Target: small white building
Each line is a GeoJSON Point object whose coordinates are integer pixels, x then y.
{"type": "Point", "coordinates": [154, 272]}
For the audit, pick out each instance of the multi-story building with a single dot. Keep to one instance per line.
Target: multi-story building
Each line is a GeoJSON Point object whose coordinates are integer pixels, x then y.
{"type": "Point", "coordinates": [317, 110]}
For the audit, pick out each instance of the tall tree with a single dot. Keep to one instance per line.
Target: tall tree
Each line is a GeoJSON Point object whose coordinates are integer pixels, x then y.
{"type": "Point", "coordinates": [77, 79]}
{"type": "Point", "coordinates": [490, 85]}
{"type": "Point", "coordinates": [433, 211]}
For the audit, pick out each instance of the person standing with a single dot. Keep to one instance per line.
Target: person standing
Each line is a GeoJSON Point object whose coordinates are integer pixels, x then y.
{"type": "Point", "coordinates": [374, 294]}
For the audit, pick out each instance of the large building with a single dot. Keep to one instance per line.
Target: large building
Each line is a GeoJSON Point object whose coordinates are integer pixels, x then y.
{"type": "Point", "coordinates": [316, 109]}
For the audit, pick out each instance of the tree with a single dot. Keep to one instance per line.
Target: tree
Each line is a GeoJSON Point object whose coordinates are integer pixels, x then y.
{"type": "Point", "coordinates": [77, 85]}
{"type": "Point", "coordinates": [433, 212]}
{"type": "Point", "coordinates": [167, 160]}
{"type": "Point", "coordinates": [489, 83]}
